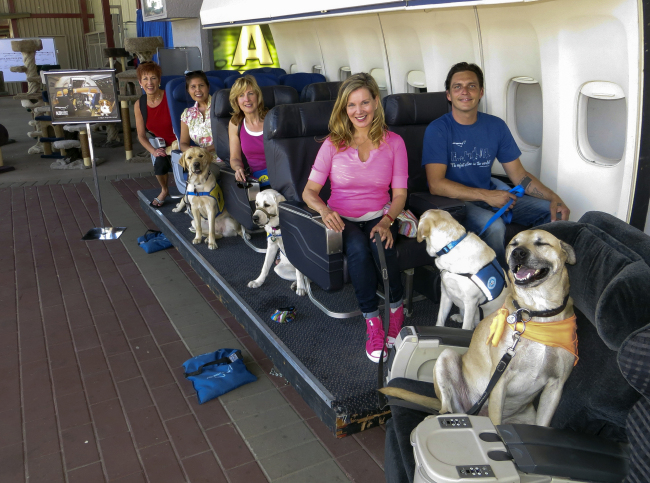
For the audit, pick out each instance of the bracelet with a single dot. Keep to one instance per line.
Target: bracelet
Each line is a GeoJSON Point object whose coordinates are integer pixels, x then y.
{"type": "Point", "coordinates": [392, 220]}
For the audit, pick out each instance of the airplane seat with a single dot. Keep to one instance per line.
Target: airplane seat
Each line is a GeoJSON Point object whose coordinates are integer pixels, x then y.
{"type": "Point", "coordinates": [262, 79]}
{"type": "Point", "coordinates": [607, 393]}
{"type": "Point", "coordinates": [300, 80]}
{"type": "Point", "coordinates": [409, 115]}
{"type": "Point", "coordinates": [238, 200]}
{"type": "Point", "coordinates": [320, 91]}
{"type": "Point", "coordinates": [178, 99]}
{"type": "Point", "coordinates": [275, 71]}
{"type": "Point", "coordinates": [222, 74]}
{"type": "Point", "coordinates": [293, 135]}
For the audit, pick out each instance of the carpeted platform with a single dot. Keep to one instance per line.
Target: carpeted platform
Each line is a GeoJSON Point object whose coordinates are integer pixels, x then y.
{"type": "Point", "coordinates": [323, 357]}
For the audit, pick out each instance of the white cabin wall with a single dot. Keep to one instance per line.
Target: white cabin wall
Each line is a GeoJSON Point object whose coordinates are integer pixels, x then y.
{"type": "Point", "coordinates": [354, 41]}
{"type": "Point", "coordinates": [297, 43]}
{"type": "Point", "coordinates": [431, 41]}
{"type": "Point", "coordinates": [510, 49]}
{"type": "Point", "coordinates": [579, 41]}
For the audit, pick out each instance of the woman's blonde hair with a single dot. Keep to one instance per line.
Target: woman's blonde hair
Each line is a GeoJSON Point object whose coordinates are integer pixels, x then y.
{"type": "Point", "coordinates": [340, 126]}
{"type": "Point", "coordinates": [240, 86]}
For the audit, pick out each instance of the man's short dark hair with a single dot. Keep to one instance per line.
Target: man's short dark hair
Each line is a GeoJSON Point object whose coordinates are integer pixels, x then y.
{"type": "Point", "coordinates": [462, 67]}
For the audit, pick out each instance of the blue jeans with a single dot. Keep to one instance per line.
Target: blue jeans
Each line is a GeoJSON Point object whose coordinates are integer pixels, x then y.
{"type": "Point", "coordinates": [363, 265]}
{"type": "Point", "coordinates": [528, 211]}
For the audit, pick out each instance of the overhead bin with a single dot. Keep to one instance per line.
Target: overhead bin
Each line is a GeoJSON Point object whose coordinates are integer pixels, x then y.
{"type": "Point", "coordinates": [224, 13]}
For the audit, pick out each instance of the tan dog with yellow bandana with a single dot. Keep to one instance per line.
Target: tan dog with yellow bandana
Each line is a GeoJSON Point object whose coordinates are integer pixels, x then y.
{"type": "Point", "coordinates": [545, 353]}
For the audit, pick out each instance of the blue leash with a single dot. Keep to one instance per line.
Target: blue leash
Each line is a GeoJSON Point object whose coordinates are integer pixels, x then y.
{"type": "Point", "coordinates": [519, 192]}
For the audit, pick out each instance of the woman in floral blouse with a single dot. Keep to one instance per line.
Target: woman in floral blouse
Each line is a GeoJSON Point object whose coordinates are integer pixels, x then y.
{"type": "Point", "coordinates": [195, 121]}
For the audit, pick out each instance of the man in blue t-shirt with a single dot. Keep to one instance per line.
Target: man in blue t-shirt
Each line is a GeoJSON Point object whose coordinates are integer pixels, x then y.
{"type": "Point", "coordinates": [458, 153]}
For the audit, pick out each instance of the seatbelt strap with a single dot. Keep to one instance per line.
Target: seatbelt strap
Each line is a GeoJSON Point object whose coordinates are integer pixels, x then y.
{"type": "Point", "coordinates": [519, 192]}
{"type": "Point", "coordinates": [501, 367]}
{"type": "Point", "coordinates": [384, 275]}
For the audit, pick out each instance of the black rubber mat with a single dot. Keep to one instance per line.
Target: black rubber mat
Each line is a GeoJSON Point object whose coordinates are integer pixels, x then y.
{"type": "Point", "coordinates": [333, 350]}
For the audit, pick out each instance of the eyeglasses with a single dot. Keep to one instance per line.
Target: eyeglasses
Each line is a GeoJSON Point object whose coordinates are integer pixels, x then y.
{"type": "Point", "coordinates": [192, 72]}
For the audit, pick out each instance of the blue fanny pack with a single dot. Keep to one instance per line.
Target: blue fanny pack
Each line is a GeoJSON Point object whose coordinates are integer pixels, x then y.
{"type": "Point", "coordinates": [216, 373]}
{"type": "Point", "coordinates": [263, 177]}
{"type": "Point", "coordinates": [154, 241]}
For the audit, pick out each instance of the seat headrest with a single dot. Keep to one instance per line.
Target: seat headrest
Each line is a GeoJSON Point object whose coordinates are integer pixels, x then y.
{"type": "Point", "coordinates": [306, 119]}
{"type": "Point", "coordinates": [320, 91]}
{"type": "Point", "coordinates": [410, 109]}
{"type": "Point", "coordinates": [180, 94]}
{"type": "Point", "coordinates": [608, 279]}
{"type": "Point", "coordinates": [272, 95]}
{"type": "Point", "coordinates": [276, 71]}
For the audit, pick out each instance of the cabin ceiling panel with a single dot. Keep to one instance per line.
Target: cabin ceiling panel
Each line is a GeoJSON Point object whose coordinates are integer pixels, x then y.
{"type": "Point", "coordinates": [354, 42]}
{"type": "Point", "coordinates": [297, 43]}
{"type": "Point", "coordinates": [444, 37]}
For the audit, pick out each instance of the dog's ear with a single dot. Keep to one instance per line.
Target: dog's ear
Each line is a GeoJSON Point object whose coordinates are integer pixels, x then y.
{"type": "Point", "coordinates": [423, 226]}
{"type": "Point", "coordinates": [279, 198]}
{"type": "Point", "coordinates": [181, 161]}
{"type": "Point", "coordinates": [570, 252]}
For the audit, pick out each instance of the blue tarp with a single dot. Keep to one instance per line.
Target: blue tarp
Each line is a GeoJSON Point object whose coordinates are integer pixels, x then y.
{"type": "Point", "coordinates": [155, 29]}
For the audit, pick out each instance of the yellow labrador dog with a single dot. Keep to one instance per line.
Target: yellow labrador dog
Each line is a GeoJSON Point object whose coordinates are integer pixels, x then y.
{"type": "Point", "coordinates": [469, 274]}
{"type": "Point", "coordinates": [205, 198]}
{"type": "Point", "coordinates": [546, 350]}
{"type": "Point", "coordinates": [267, 215]}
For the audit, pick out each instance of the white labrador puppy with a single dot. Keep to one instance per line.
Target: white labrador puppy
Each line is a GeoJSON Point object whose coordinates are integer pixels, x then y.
{"type": "Point", "coordinates": [267, 215]}
{"type": "Point", "coordinates": [460, 257]}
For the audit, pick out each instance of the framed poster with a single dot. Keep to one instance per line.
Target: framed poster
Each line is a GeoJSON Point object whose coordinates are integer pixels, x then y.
{"type": "Point", "coordinates": [82, 96]}
{"type": "Point", "coordinates": [9, 58]}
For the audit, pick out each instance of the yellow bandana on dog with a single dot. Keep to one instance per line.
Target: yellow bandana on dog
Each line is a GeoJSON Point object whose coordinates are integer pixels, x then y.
{"type": "Point", "coordinates": [561, 333]}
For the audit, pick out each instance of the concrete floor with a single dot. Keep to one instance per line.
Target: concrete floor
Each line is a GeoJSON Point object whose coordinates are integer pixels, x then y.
{"type": "Point", "coordinates": [261, 432]}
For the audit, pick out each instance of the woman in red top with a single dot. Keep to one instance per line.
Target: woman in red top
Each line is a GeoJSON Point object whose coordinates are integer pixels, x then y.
{"type": "Point", "coordinates": [159, 122]}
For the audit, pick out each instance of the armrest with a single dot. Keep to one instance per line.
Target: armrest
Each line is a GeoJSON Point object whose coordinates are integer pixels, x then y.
{"type": "Point", "coordinates": [315, 251]}
{"type": "Point", "coordinates": [421, 202]}
{"type": "Point", "coordinates": [239, 202]}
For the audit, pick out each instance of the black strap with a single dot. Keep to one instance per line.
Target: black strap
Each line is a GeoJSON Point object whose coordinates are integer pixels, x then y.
{"type": "Point", "coordinates": [223, 360]}
{"type": "Point", "coordinates": [498, 372]}
{"type": "Point", "coordinates": [541, 313]}
{"type": "Point", "coordinates": [143, 109]}
{"type": "Point", "coordinates": [384, 275]}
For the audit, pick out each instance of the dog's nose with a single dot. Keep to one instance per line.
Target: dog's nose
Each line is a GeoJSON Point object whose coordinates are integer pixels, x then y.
{"type": "Point", "coordinates": [256, 218]}
{"type": "Point", "coordinates": [519, 254]}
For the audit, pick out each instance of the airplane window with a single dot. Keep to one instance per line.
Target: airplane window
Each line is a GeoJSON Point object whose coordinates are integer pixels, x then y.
{"type": "Point", "coordinates": [602, 123]}
{"type": "Point", "coordinates": [416, 81]}
{"type": "Point", "coordinates": [293, 68]}
{"type": "Point", "coordinates": [524, 112]}
{"type": "Point", "coordinates": [344, 73]}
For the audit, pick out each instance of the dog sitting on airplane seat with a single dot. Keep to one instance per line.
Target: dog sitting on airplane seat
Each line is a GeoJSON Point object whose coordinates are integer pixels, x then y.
{"type": "Point", "coordinates": [205, 198]}
{"type": "Point", "coordinates": [267, 215]}
{"type": "Point", "coordinates": [470, 276]}
{"type": "Point", "coordinates": [536, 326]}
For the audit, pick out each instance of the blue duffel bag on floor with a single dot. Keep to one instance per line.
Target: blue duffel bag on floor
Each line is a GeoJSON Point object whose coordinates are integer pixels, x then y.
{"type": "Point", "coordinates": [216, 373]}
{"type": "Point", "coordinates": [154, 241]}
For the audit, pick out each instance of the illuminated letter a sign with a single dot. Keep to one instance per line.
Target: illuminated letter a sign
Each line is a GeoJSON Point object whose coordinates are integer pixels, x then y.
{"type": "Point", "coordinates": [251, 36]}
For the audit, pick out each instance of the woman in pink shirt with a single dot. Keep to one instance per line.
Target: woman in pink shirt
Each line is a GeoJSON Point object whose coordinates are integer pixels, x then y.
{"type": "Point", "coordinates": [245, 130]}
{"type": "Point", "coordinates": [363, 161]}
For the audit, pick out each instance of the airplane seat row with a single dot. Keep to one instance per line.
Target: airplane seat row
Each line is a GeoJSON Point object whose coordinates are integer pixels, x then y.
{"type": "Point", "coordinates": [292, 137]}
{"type": "Point", "coordinates": [300, 80]}
{"type": "Point", "coordinates": [321, 91]}
{"type": "Point", "coordinates": [238, 201]}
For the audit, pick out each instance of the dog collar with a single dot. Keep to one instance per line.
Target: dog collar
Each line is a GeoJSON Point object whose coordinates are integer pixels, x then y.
{"type": "Point", "coordinates": [199, 193]}
{"type": "Point", "coordinates": [518, 317]}
{"type": "Point", "coordinates": [446, 249]}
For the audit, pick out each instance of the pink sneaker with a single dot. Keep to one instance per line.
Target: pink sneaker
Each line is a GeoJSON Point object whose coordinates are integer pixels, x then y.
{"type": "Point", "coordinates": [395, 325]}
{"type": "Point", "coordinates": [375, 342]}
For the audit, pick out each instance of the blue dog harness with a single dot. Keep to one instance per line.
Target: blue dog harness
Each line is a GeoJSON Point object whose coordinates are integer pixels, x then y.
{"type": "Point", "coordinates": [216, 193]}
{"type": "Point", "coordinates": [489, 279]}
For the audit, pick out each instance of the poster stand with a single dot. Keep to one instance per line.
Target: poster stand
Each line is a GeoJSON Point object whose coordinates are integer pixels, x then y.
{"type": "Point", "coordinates": [101, 232]}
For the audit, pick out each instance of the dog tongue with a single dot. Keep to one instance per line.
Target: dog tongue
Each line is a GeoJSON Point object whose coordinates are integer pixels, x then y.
{"type": "Point", "coordinates": [523, 273]}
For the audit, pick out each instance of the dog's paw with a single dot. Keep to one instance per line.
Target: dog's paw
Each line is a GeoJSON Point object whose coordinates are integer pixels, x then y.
{"type": "Point", "coordinates": [254, 284]}
{"type": "Point", "coordinates": [300, 292]}
{"type": "Point", "coordinates": [211, 246]}
{"type": "Point", "coordinates": [178, 208]}
{"type": "Point", "coordinates": [457, 318]}
{"type": "Point", "coordinates": [197, 241]}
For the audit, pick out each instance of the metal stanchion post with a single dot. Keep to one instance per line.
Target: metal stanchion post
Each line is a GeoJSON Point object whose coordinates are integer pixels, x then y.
{"type": "Point", "coordinates": [101, 232]}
